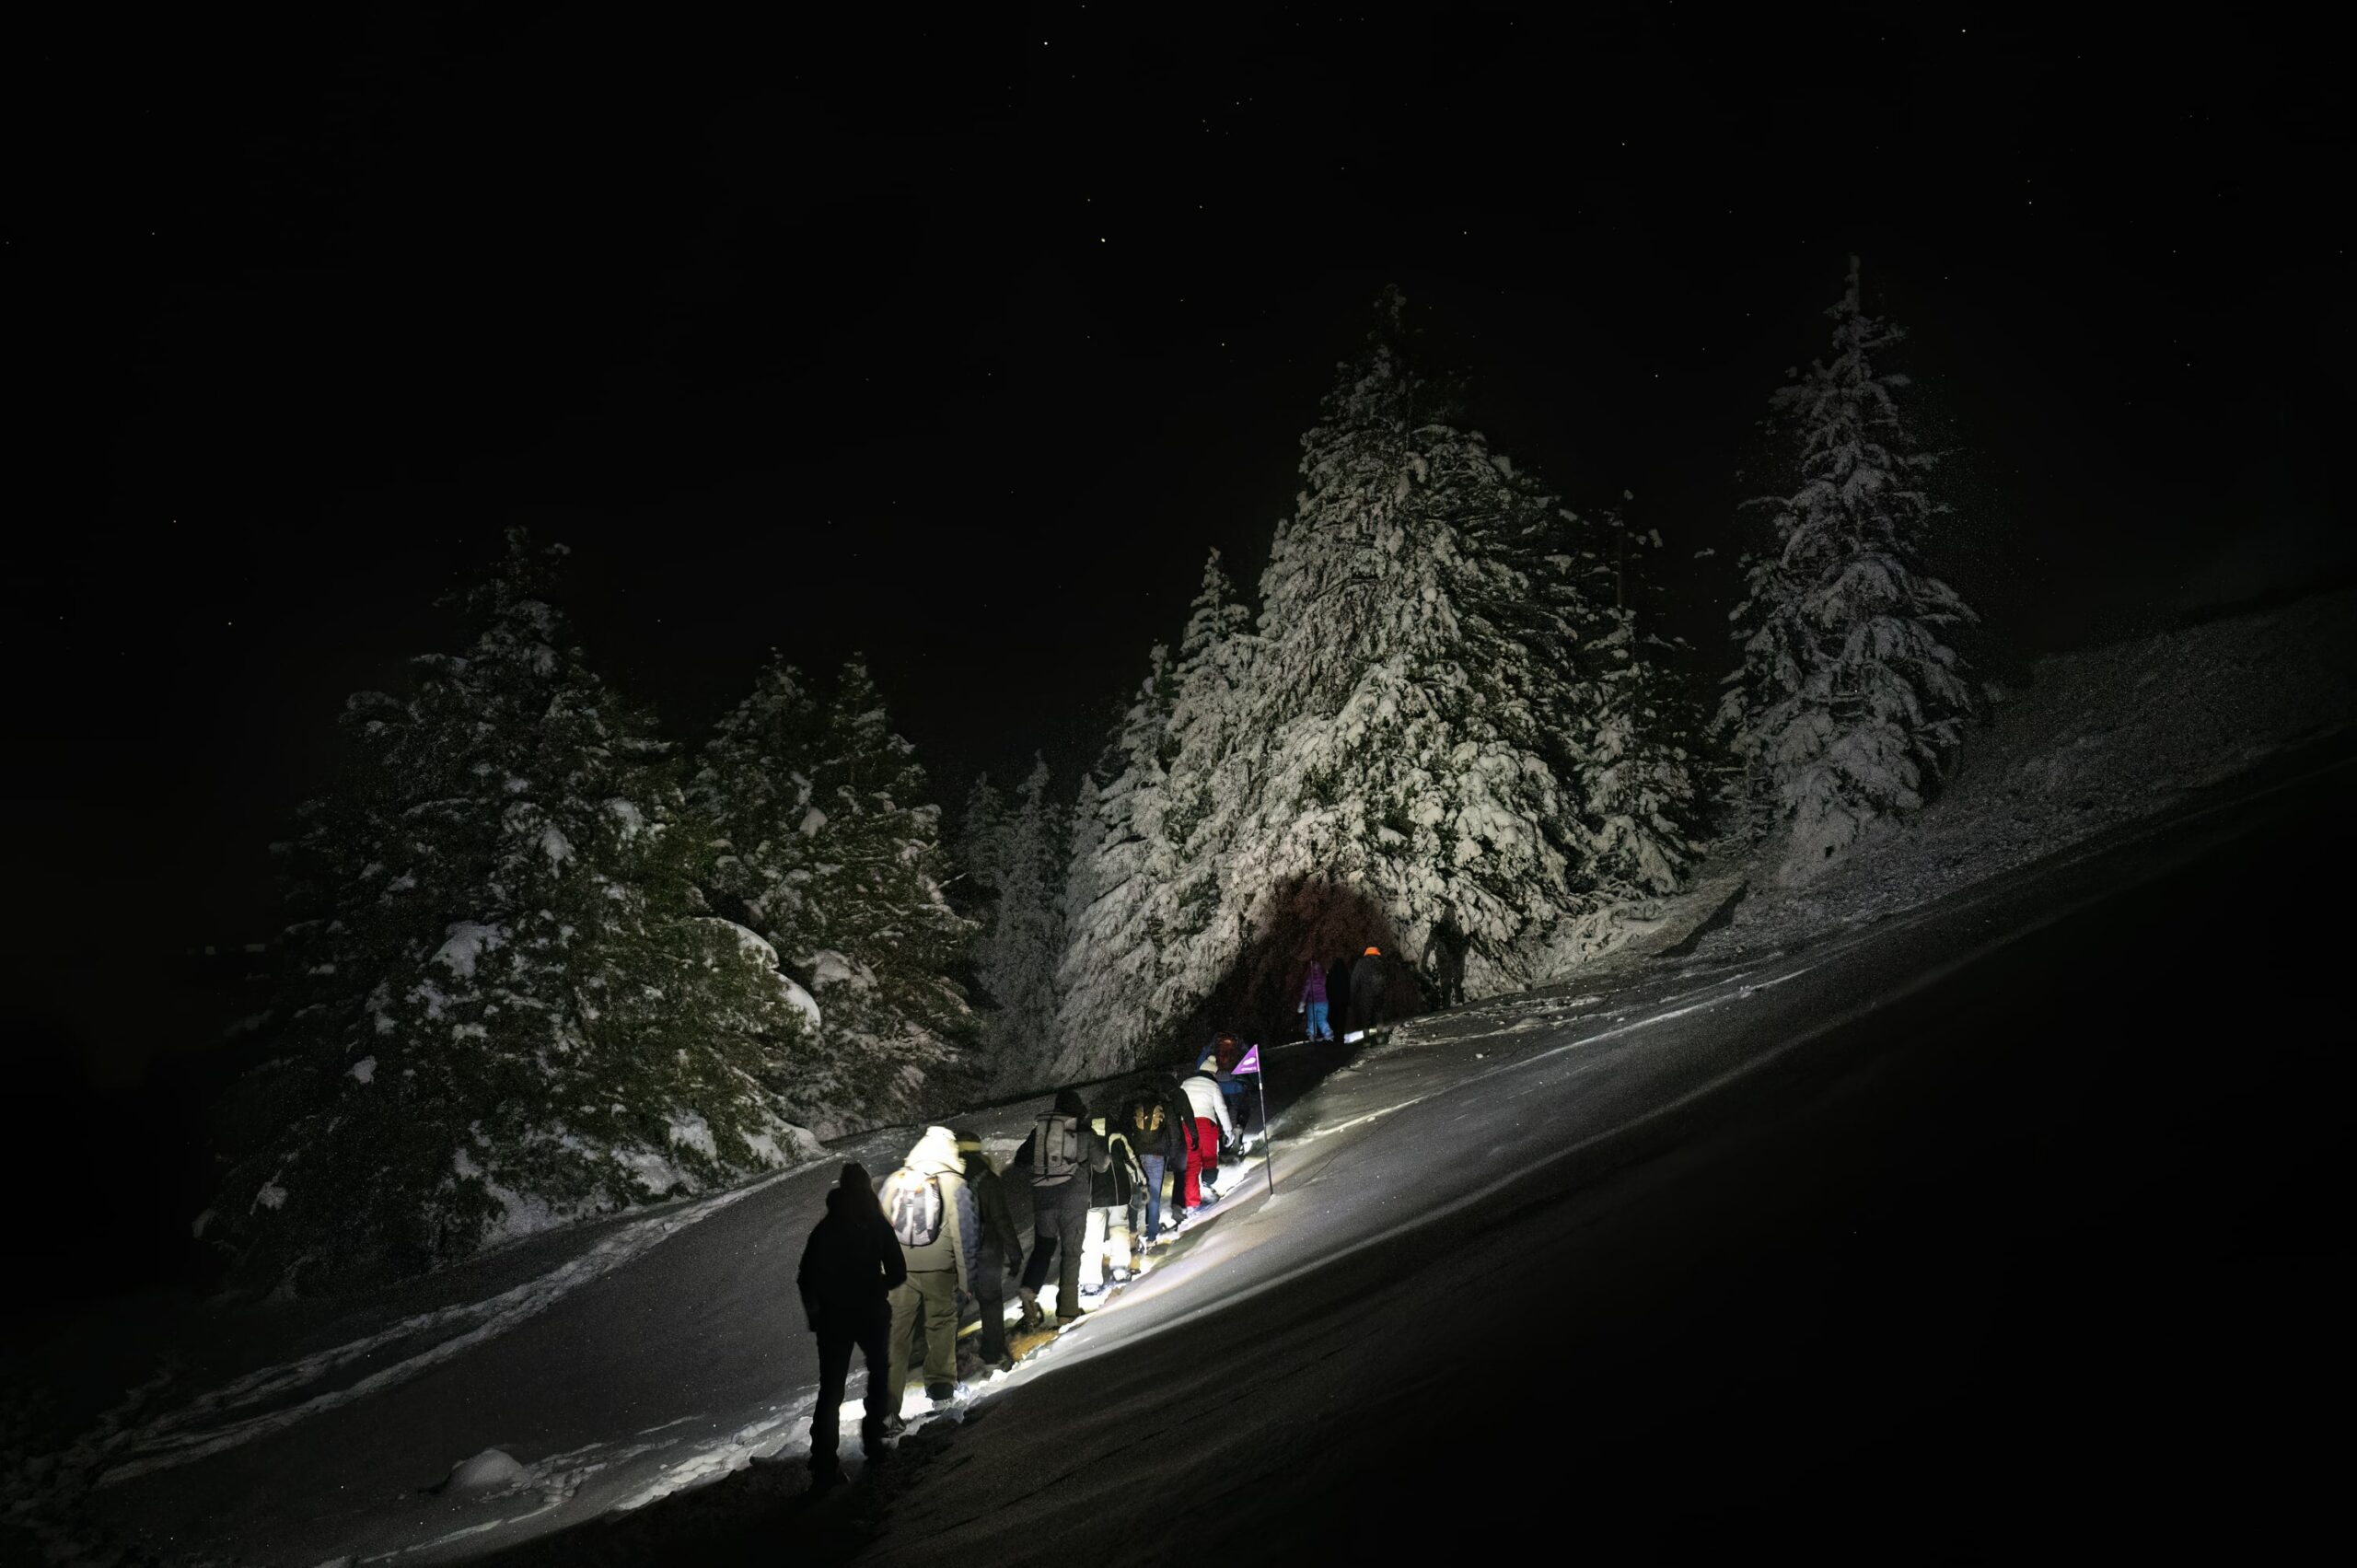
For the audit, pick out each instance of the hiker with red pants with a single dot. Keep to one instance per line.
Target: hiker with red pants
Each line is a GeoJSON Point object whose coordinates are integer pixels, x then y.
{"type": "Point", "coordinates": [1215, 1129]}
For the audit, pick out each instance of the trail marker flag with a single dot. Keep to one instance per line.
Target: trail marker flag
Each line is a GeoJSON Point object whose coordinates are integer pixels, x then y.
{"type": "Point", "coordinates": [1251, 1063]}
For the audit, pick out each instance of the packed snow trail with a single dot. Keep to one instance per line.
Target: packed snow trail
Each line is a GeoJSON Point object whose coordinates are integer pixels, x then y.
{"type": "Point", "coordinates": [1413, 1184]}
{"type": "Point", "coordinates": [1851, 1247]}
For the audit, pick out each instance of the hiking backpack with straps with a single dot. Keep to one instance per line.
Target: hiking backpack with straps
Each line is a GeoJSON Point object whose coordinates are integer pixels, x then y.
{"type": "Point", "coordinates": [1057, 1143]}
{"type": "Point", "coordinates": [913, 1204]}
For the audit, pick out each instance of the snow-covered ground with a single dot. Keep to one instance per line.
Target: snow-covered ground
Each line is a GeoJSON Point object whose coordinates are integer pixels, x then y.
{"type": "Point", "coordinates": [626, 1363]}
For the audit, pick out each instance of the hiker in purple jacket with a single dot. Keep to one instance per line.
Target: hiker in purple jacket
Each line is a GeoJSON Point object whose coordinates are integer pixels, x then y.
{"type": "Point", "coordinates": [1313, 1004]}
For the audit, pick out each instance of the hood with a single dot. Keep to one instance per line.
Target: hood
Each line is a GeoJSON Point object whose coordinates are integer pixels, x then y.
{"type": "Point", "coordinates": [1071, 1104]}
{"type": "Point", "coordinates": [937, 1151]}
{"type": "Point", "coordinates": [835, 1196]}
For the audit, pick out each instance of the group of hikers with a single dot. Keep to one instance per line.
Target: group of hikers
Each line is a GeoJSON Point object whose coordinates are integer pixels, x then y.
{"type": "Point", "coordinates": [942, 1230]}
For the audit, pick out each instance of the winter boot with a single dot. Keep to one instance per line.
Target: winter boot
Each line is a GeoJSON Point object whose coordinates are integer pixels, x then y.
{"type": "Point", "coordinates": [826, 1476]}
{"type": "Point", "coordinates": [941, 1393]}
{"type": "Point", "coordinates": [1031, 1320]}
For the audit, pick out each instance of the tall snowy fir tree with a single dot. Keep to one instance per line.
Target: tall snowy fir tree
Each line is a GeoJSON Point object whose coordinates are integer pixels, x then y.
{"type": "Point", "coordinates": [1022, 939]}
{"type": "Point", "coordinates": [1112, 941]}
{"type": "Point", "coordinates": [827, 837]}
{"type": "Point", "coordinates": [1848, 704]}
{"type": "Point", "coordinates": [510, 1005]}
{"type": "Point", "coordinates": [1207, 786]}
{"type": "Point", "coordinates": [1639, 793]}
{"type": "Point", "coordinates": [1390, 779]}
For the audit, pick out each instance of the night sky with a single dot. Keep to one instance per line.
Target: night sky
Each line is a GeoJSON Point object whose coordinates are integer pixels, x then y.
{"type": "Point", "coordinates": [960, 347]}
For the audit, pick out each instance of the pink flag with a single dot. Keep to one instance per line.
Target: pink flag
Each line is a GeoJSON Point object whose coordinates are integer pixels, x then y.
{"type": "Point", "coordinates": [1251, 1063]}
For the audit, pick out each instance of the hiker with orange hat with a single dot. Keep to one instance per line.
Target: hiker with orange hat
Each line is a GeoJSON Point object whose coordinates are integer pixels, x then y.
{"type": "Point", "coordinates": [1367, 992]}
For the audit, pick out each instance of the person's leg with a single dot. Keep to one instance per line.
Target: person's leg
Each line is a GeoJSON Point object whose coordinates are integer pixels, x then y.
{"type": "Point", "coordinates": [883, 1400]}
{"type": "Point", "coordinates": [834, 1371]}
{"type": "Point", "coordinates": [906, 1301]}
{"type": "Point", "coordinates": [1071, 1237]}
{"type": "Point", "coordinates": [1120, 1240]}
{"type": "Point", "coordinates": [1153, 1165]}
{"type": "Point", "coordinates": [1207, 1150]}
{"type": "Point", "coordinates": [1092, 1248]}
{"type": "Point", "coordinates": [940, 1289]}
{"type": "Point", "coordinates": [1043, 1240]}
{"type": "Point", "coordinates": [989, 1297]}
{"type": "Point", "coordinates": [1319, 1026]}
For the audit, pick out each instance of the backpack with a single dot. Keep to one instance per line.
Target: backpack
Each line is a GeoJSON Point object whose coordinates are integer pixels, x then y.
{"type": "Point", "coordinates": [1057, 1146]}
{"type": "Point", "coordinates": [912, 1202]}
{"type": "Point", "coordinates": [1146, 1119]}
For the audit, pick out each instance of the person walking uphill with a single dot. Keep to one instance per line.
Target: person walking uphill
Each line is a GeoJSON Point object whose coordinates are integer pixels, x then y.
{"type": "Point", "coordinates": [999, 1252]}
{"type": "Point", "coordinates": [1367, 992]}
{"type": "Point", "coordinates": [1062, 1152]}
{"type": "Point", "coordinates": [1214, 1130]}
{"type": "Point", "coordinates": [932, 1214]}
{"type": "Point", "coordinates": [1153, 1134]}
{"type": "Point", "coordinates": [1313, 1004]}
{"type": "Point", "coordinates": [849, 1266]}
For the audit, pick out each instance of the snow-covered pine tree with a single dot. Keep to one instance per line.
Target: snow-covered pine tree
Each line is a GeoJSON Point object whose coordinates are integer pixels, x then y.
{"type": "Point", "coordinates": [1848, 704]}
{"type": "Point", "coordinates": [1637, 776]}
{"type": "Point", "coordinates": [1017, 953]}
{"type": "Point", "coordinates": [1390, 778]}
{"type": "Point", "coordinates": [827, 843]}
{"type": "Point", "coordinates": [1111, 938]}
{"type": "Point", "coordinates": [753, 784]}
{"type": "Point", "coordinates": [1209, 786]}
{"type": "Point", "coordinates": [879, 937]}
{"type": "Point", "coordinates": [511, 1008]}
{"type": "Point", "coordinates": [981, 848]}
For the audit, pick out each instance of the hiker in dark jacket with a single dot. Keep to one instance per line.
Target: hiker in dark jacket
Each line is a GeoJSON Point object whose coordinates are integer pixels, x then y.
{"type": "Point", "coordinates": [1060, 1154]}
{"type": "Point", "coordinates": [1108, 1251]}
{"type": "Point", "coordinates": [850, 1265]}
{"type": "Point", "coordinates": [1155, 1136]}
{"type": "Point", "coordinates": [1189, 1158]}
{"type": "Point", "coordinates": [1313, 1004]}
{"type": "Point", "coordinates": [999, 1251]}
{"type": "Point", "coordinates": [1366, 990]}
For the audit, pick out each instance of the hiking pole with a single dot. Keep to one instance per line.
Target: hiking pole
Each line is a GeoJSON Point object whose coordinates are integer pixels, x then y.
{"type": "Point", "coordinates": [1268, 1133]}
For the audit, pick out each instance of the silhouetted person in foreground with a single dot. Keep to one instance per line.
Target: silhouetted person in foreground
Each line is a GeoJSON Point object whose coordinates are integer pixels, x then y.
{"type": "Point", "coordinates": [849, 1267]}
{"type": "Point", "coordinates": [1368, 981]}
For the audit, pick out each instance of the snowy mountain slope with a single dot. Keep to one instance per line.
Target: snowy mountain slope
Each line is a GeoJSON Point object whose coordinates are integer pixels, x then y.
{"type": "Point", "coordinates": [1924, 1243]}
{"type": "Point", "coordinates": [2101, 737]}
{"type": "Point", "coordinates": [680, 1356]}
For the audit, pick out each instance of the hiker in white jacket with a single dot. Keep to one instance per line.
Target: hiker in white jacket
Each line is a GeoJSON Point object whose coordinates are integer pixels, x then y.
{"type": "Point", "coordinates": [1215, 1129]}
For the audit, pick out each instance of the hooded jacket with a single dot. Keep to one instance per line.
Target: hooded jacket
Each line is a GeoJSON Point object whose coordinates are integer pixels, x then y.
{"type": "Point", "coordinates": [1313, 990]}
{"type": "Point", "coordinates": [851, 1261]}
{"type": "Point", "coordinates": [936, 1155]}
{"type": "Point", "coordinates": [1209, 1104]}
{"type": "Point", "coordinates": [1092, 1148]}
